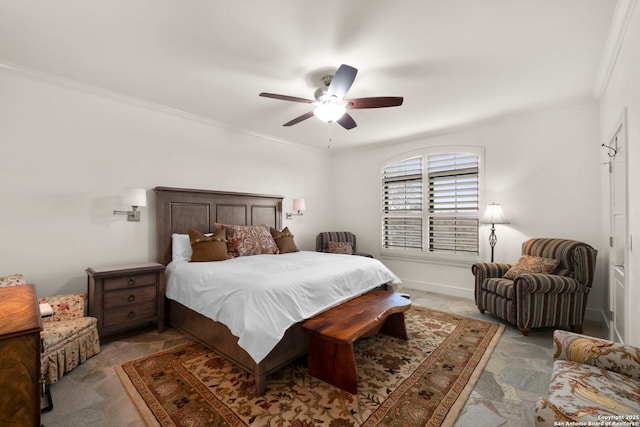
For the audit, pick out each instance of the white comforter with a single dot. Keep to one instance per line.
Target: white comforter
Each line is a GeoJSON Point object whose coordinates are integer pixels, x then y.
{"type": "Point", "coordinates": [259, 297]}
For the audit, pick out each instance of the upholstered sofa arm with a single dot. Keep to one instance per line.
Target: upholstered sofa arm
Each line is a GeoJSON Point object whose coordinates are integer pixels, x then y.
{"type": "Point", "coordinates": [65, 307]}
{"type": "Point", "coordinates": [616, 357]}
{"type": "Point", "coordinates": [547, 283]}
{"type": "Point", "coordinates": [485, 270]}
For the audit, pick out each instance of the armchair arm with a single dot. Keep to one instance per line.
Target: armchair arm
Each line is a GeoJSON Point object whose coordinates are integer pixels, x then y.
{"type": "Point", "coordinates": [365, 254]}
{"type": "Point", "coordinates": [484, 270]}
{"type": "Point", "coordinates": [621, 358]}
{"type": "Point", "coordinates": [65, 307]}
{"type": "Point", "coordinates": [548, 284]}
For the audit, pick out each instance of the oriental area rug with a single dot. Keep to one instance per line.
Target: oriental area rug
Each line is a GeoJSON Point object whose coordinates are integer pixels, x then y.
{"type": "Point", "coordinates": [424, 381]}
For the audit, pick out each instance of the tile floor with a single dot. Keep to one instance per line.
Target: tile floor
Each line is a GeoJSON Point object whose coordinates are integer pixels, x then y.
{"type": "Point", "coordinates": [517, 373]}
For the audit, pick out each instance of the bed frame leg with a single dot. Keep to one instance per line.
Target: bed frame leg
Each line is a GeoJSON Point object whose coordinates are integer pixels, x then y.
{"type": "Point", "coordinates": [261, 381]}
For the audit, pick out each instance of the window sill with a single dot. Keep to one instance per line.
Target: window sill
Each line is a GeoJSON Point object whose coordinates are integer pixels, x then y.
{"type": "Point", "coordinates": [457, 261]}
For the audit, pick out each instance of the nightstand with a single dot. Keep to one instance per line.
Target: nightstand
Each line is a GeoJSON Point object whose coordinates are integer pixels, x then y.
{"type": "Point", "coordinates": [126, 297]}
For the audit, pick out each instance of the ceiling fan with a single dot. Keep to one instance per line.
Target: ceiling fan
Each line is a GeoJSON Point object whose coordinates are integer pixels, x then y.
{"type": "Point", "coordinates": [330, 103]}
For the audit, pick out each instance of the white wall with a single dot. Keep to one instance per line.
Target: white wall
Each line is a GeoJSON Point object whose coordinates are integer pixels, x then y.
{"type": "Point", "coordinates": [543, 169]}
{"type": "Point", "coordinates": [623, 90]}
{"type": "Point", "coordinates": [67, 152]}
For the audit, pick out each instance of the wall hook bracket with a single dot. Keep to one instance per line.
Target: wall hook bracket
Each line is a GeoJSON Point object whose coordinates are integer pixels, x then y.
{"type": "Point", "coordinates": [615, 150]}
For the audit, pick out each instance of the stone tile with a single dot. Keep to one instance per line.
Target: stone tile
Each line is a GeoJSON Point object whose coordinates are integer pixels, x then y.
{"type": "Point", "coordinates": [481, 413]}
{"type": "Point", "coordinates": [517, 373]}
{"type": "Point", "coordinates": [488, 388]}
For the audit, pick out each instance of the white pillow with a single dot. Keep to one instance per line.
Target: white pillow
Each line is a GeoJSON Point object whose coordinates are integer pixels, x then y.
{"type": "Point", "coordinates": [180, 247]}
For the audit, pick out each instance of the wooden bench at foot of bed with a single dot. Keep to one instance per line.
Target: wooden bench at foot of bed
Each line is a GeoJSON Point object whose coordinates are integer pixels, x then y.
{"type": "Point", "coordinates": [333, 332]}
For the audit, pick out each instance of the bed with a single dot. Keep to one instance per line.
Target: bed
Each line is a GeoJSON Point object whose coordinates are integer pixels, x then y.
{"type": "Point", "coordinates": [180, 210]}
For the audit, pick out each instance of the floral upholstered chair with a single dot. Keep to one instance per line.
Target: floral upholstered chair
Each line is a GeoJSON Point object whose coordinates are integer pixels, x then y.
{"type": "Point", "coordinates": [594, 381]}
{"type": "Point", "coordinates": [69, 337]}
{"type": "Point", "coordinates": [343, 242]}
{"type": "Point", "coordinates": [547, 287]}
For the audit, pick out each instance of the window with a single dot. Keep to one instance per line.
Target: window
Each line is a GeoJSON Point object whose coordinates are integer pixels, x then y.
{"type": "Point", "coordinates": [430, 203]}
{"type": "Point", "coordinates": [402, 201]}
{"type": "Point", "coordinates": [453, 203]}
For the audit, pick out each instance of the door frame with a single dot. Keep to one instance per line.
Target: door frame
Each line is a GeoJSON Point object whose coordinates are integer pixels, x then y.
{"type": "Point", "coordinates": [618, 141]}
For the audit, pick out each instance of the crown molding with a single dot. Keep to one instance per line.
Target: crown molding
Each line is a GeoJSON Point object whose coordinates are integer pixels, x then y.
{"type": "Point", "coordinates": [620, 22]}
{"type": "Point", "coordinates": [542, 109]}
{"type": "Point", "coordinates": [118, 96]}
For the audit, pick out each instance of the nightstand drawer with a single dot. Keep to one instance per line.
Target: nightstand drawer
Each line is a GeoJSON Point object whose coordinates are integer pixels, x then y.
{"type": "Point", "coordinates": [127, 297]}
{"type": "Point", "coordinates": [125, 282]}
{"type": "Point", "coordinates": [133, 314]}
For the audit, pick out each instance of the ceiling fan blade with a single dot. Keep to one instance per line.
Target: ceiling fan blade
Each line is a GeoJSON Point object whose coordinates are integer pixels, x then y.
{"type": "Point", "coordinates": [342, 81]}
{"type": "Point", "coordinates": [286, 97]}
{"type": "Point", "coordinates": [347, 122]}
{"type": "Point", "coordinates": [375, 102]}
{"type": "Point", "coordinates": [298, 119]}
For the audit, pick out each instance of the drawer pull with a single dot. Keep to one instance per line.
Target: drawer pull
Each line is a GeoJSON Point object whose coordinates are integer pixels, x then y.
{"type": "Point", "coordinates": [131, 315]}
{"type": "Point", "coordinates": [132, 281]}
{"type": "Point", "coordinates": [131, 298]}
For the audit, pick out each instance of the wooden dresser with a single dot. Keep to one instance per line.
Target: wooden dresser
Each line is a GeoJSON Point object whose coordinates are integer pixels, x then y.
{"type": "Point", "coordinates": [126, 297]}
{"type": "Point", "coordinates": [20, 348]}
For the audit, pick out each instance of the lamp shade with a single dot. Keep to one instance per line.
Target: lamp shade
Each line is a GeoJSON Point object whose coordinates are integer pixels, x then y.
{"type": "Point", "coordinates": [135, 197]}
{"type": "Point", "coordinates": [494, 215]}
{"type": "Point", "coordinates": [298, 204]}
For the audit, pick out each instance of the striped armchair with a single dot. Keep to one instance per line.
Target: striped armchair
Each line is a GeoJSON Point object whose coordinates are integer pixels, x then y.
{"type": "Point", "coordinates": [534, 300]}
{"type": "Point", "coordinates": [323, 239]}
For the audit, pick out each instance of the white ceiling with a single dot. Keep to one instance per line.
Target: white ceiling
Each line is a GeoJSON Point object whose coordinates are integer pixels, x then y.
{"type": "Point", "coordinates": [455, 61]}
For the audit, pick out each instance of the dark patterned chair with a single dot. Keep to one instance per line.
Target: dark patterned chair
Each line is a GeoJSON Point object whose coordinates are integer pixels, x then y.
{"type": "Point", "coordinates": [534, 300]}
{"type": "Point", "coordinates": [343, 238]}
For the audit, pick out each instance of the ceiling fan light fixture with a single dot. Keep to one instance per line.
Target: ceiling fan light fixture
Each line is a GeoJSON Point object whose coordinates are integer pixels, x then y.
{"type": "Point", "coordinates": [330, 102]}
{"type": "Point", "coordinates": [329, 112]}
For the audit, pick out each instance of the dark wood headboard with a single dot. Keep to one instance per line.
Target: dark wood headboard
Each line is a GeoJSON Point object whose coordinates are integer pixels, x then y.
{"type": "Point", "coordinates": [179, 209]}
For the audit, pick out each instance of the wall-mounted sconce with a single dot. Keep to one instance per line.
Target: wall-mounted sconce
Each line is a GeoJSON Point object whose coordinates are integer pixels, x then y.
{"type": "Point", "coordinates": [134, 197]}
{"type": "Point", "coordinates": [298, 205]}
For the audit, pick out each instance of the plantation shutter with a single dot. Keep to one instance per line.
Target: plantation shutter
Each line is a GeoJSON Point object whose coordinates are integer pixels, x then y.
{"type": "Point", "coordinates": [402, 204]}
{"type": "Point", "coordinates": [453, 203]}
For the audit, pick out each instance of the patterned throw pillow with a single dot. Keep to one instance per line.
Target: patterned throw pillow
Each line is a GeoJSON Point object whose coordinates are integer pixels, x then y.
{"type": "Point", "coordinates": [245, 240]}
{"type": "Point", "coordinates": [340, 248]}
{"type": "Point", "coordinates": [209, 248]}
{"type": "Point", "coordinates": [12, 280]}
{"type": "Point", "coordinates": [284, 240]}
{"type": "Point", "coordinates": [531, 264]}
